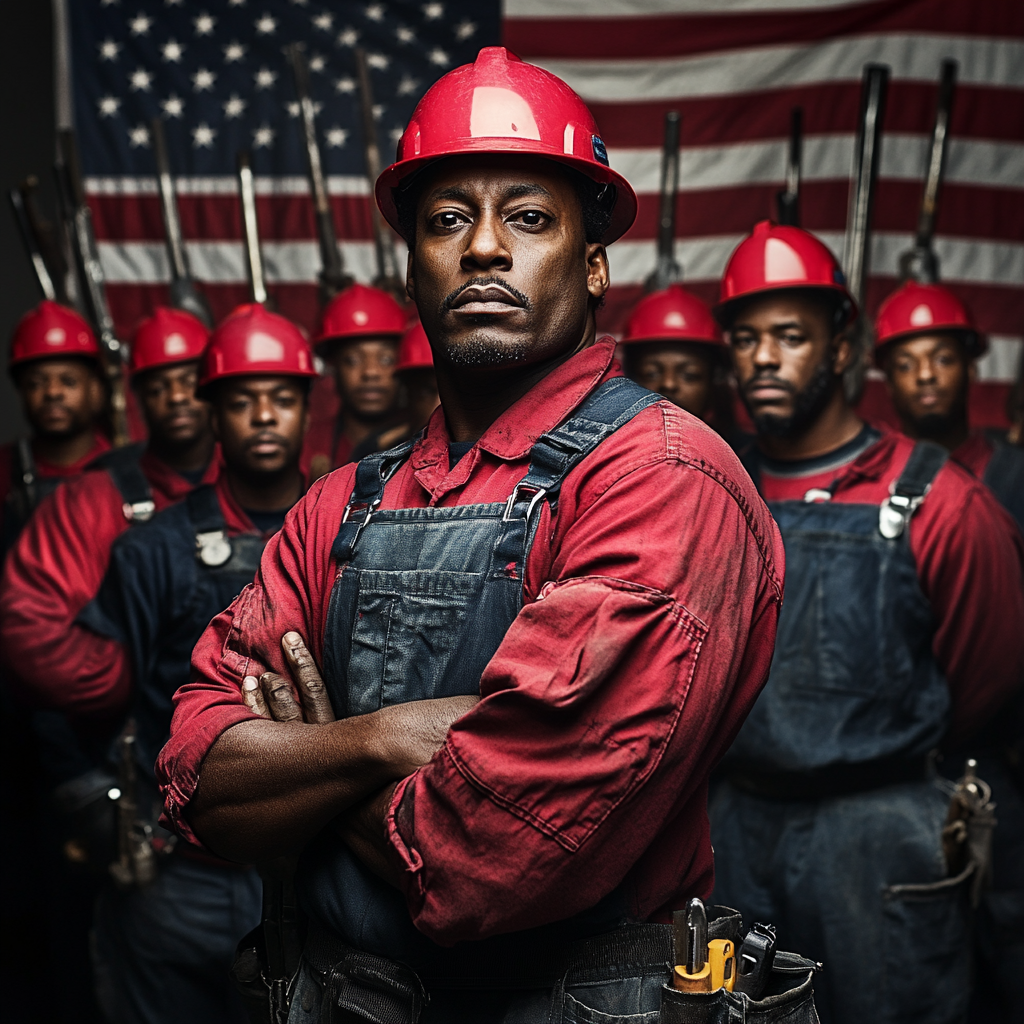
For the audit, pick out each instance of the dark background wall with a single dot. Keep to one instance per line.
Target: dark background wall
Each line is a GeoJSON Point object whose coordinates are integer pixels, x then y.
{"type": "Point", "coordinates": [26, 147]}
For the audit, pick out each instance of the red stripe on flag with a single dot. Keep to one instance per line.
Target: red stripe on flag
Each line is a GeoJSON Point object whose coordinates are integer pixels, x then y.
{"type": "Point", "coordinates": [677, 35]}
{"type": "Point", "coordinates": [979, 112]}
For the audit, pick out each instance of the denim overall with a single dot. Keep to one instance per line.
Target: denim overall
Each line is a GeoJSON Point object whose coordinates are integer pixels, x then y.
{"type": "Point", "coordinates": [164, 952]}
{"type": "Point", "coordinates": [421, 603]}
{"type": "Point", "coordinates": [848, 863]}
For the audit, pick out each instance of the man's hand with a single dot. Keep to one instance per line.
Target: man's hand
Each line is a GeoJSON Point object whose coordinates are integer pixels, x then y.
{"type": "Point", "coordinates": [271, 695]}
{"type": "Point", "coordinates": [268, 785]}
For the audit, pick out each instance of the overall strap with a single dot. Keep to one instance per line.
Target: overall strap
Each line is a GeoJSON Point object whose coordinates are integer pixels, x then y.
{"type": "Point", "coordinates": [212, 545]}
{"type": "Point", "coordinates": [24, 476]}
{"type": "Point", "coordinates": [907, 493]}
{"type": "Point", "coordinates": [122, 465]}
{"type": "Point", "coordinates": [372, 473]}
{"type": "Point", "coordinates": [556, 453]}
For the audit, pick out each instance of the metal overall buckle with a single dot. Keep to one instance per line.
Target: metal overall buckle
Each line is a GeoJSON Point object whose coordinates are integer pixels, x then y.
{"type": "Point", "coordinates": [514, 499]}
{"type": "Point", "coordinates": [213, 548]}
{"type": "Point", "coordinates": [355, 508]}
{"type": "Point", "coordinates": [139, 511]}
{"type": "Point", "coordinates": [896, 510]}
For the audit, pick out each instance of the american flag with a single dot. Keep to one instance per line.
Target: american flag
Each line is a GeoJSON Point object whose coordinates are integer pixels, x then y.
{"type": "Point", "coordinates": [216, 71]}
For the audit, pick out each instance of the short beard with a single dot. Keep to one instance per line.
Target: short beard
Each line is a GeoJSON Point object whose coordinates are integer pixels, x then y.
{"type": "Point", "coordinates": [938, 426]}
{"type": "Point", "coordinates": [807, 405]}
{"type": "Point", "coordinates": [481, 351]}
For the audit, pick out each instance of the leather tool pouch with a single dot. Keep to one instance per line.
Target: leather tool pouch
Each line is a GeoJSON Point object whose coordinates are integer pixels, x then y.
{"type": "Point", "coordinates": [789, 998]}
{"type": "Point", "coordinates": [364, 988]}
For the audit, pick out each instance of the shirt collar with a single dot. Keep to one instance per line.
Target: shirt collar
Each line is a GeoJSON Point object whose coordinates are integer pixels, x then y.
{"type": "Point", "coordinates": [549, 402]}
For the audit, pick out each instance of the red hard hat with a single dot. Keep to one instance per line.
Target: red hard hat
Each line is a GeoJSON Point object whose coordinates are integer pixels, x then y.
{"type": "Point", "coordinates": [361, 312]}
{"type": "Point", "coordinates": [673, 314]}
{"type": "Point", "coordinates": [500, 104]}
{"type": "Point", "coordinates": [168, 336]}
{"type": "Point", "coordinates": [775, 257]}
{"type": "Point", "coordinates": [414, 352]}
{"type": "Point", "coordinates": [253, 341]}
{"type": "Point", "coordinates": [922, 309]}
{"type": "Point", "coordinates": [51, 331]}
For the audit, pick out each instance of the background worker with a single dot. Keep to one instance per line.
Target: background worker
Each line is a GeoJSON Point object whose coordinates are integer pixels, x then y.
{"type": "Point", "coordinates": [900, 633]}
{"type": "Point", "coordinates": [673, 346]}
{"type": "Point", "coordinates": [358, 339]}
{"type": "Point", "coordinates": [565, 799]}
{"type": "Point", "coordinates": [417, 393]}
{"type": "Point", "coordinates": [51, 573]}
{"type": "Point", "coordinates": [927, 345]}
{"type": "Point", "coordinates": [164, 949]}
{"type": "Point", "coordinates": [55, 363]}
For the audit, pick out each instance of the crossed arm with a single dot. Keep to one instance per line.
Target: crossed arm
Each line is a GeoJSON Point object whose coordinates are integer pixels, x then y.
{"type": "Point", "coordinates": [268, 786]}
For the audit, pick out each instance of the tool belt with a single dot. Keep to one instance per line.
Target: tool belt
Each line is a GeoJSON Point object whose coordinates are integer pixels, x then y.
{"type": "Point", "coordinates": [832, 780]}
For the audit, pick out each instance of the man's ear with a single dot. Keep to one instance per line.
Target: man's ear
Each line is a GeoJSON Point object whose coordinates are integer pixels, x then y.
{"type": "Point", "coordinates": [410, 283]}
{"type": "Point", "coordinates": [97, 394]}
{"type": "Point", "coordinates": [843, 353]}
{"type": "Point", "coordinates": [215, 422]}
{"type": "Point", "coordinates": [598, 277]}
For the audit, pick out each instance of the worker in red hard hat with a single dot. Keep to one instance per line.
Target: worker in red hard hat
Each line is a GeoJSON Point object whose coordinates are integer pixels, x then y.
{"type": "Point", "coordinates": [673, 346]}
{"type": "Point", "coordinates": [899, 635]}
{"type": "Point", "coordinates": [358, 339]}
{"type": "Point", "coordinates": [171, 916]}
{"type": "Point", "coordinates": [466, 617]}
{"type": "Point", "coordinates": [417, 394]}
{"type": "Point", "coordinates": [55, 364]}
{"type": "Point", "coordinates": [927, 345]}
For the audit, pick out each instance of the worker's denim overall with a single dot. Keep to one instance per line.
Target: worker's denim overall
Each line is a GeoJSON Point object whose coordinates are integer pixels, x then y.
{"type": "Point", "coordinates": [423, 598]}
{"type": "Point", "coordinates": [164, 952]}
{"type": "Point", "coordinates": [852, 875]}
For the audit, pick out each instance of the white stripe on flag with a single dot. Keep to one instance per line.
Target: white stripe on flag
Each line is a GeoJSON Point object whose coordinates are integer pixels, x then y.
{"type": "Point", "coordinates": [983, 61]}
{"type": "Point", "coordinates": [638, 8]}
{"type": "Point", "coordinates": [825, 157]}
{"type": "Point", "coordinates": [1002, 360]}
{"type": "Point", "coordinates": [226, 185]}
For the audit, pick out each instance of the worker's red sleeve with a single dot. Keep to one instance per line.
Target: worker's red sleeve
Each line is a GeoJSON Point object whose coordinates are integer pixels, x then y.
{"type": "Point", "coordinates": [49, 576]}
{"type": "Point", "coordinates": [245, 640]}
{"type": "Point", "coordinates": [604, 709]}
{"type": "Point", "coordinates": [970, 558]}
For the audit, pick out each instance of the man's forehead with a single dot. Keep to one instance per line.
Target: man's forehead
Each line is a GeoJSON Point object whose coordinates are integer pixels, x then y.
{"type": "Point", "coordinates": [928, 344]}
{"type": "Point", "coordinates": [463, 177]}
{"type": "Point", "coordinates": [259, 384]}
{"type": "Point", "coordinates": [778, 310]}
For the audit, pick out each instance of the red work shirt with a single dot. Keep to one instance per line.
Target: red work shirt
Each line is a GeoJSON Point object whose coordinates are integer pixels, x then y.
{"type": "Point", "coordinates": [44, 468]}
{"type": "Point", "coordinates": [970, 564]}
{"type": "Point", "coordinates": [651, 599]}
{"type": "Point", "coordinates": [975, 454]}
{"type": "Point", "coordinates": [54, 571]}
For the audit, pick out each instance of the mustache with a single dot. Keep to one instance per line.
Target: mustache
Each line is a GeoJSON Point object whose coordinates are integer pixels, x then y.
{"type": "Point", "coordinates": [482, 282]}
{"type": "Point", "coordinates": [761, 379]}
{"type": "Point", "coordinates": [264, 436]}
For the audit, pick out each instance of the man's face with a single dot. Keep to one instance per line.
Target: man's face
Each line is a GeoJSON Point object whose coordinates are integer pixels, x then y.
{"type": "Point", "coordinates": [62, 397]}
{"type": "Point", "coordinates": [787, 362]}
{"type": "Point", "coordinates": [928, 378]}
{"type": "Point", "coordinates": [500, 269]}
{"type": "Point", "coordinates": [365, 374]}
{"type": "Point", "coordinates": [260, 423]}
{"type": "Point", "coordinates": [174, 415]}
{"type": "Point", "coordinates": [681, 372]}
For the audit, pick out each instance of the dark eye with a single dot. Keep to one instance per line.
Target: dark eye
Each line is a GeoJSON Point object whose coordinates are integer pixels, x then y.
{"type": "Point", "coordinates": [447, 220]}
{"type": "Point", "coordinates": [531, 218]}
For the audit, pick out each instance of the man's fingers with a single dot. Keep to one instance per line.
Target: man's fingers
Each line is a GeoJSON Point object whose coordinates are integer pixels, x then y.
{"type": "Point", "coordinates": [277, 691]}
{"type": "Point", "coordinates": [312, 692]}
{"type": "Point", "coordinates": [253, 696]}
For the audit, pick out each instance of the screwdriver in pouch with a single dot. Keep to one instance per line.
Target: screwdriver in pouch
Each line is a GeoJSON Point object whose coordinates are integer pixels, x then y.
{"type": "Point", "coordinates": [754, 961]}
{"type": "Point", "coordinates": [690, 931]}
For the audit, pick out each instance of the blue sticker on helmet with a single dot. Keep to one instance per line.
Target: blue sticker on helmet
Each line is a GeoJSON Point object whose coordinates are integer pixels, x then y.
{"type": "Point", "coordinates": [839, 277]}
{"type": "Point", "coordinates": [600, 153]}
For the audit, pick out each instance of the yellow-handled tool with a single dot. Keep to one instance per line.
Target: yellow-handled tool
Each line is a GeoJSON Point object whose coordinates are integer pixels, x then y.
{"type": "Point", "coordinates": [722, 961]}
{"type": "Point", "coordinates": [692, 972]}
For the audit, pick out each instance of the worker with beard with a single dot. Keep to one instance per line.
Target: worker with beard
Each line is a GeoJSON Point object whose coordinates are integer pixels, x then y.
{"type": "Point", "coordinates": [167, 924]}
{"type": "Point", "coordinates": [55, 364]}
{"type": "Point", "coordinates": [358, 339]}
{"type": "Point", "coordinates": [483, 677]}
{"type": "Point", "coordinates": [927, 345]}
{"type": "Point", "coordinates": [900, 634]}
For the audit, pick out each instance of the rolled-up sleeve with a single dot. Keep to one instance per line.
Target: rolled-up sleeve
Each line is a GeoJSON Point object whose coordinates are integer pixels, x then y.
{"type": "Point", "coordinates": [603, 710]}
